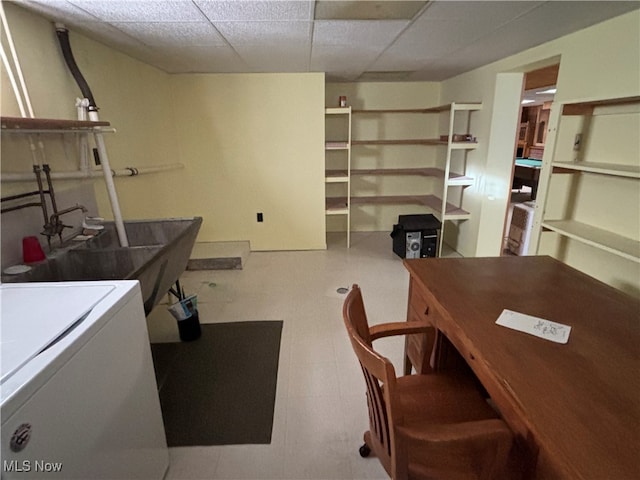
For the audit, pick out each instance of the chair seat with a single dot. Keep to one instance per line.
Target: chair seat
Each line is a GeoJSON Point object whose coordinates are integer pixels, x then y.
{"type": "Point", "coordinates": [459, 449]}
{"type": "Point", "coordinates": [441, 399]}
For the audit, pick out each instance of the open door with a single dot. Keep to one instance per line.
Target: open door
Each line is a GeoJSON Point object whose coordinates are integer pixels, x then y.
{"type": "Point", "coordinates": [538, 93]}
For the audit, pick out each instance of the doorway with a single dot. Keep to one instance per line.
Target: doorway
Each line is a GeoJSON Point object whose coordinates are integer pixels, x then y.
{"type": "Point", "coordinates": [538, 93]}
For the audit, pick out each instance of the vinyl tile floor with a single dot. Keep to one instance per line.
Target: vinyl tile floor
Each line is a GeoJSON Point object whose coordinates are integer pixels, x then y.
{"type": "Point", "coordinates": [320, 412]}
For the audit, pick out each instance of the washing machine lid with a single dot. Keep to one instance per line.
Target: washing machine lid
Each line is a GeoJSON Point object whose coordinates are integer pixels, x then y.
{"type": "Point", "coordinates": [33, 316]}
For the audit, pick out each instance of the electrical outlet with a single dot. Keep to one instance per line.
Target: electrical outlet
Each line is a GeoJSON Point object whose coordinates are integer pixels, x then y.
{"type": "Point", "coordinates": [260, 218]}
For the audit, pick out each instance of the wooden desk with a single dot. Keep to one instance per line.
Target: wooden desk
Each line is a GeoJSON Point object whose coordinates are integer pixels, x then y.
{"type": "Point", "coordinates": [579, 403]}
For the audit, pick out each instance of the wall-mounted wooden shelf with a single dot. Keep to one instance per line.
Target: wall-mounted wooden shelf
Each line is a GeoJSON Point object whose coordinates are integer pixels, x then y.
{"type": "Point", "coordinates": [596, 237]}
{"type": "Point", "coordinates": [588, 213]}
{"type": "Point", "coordinates": [31, 125]}
{"type": "Point", "coordinates": [433, 202]}
{"type": "Point", "coordinates": [419, 141]}
{"type": "Point", "coordinates": [614, 169]}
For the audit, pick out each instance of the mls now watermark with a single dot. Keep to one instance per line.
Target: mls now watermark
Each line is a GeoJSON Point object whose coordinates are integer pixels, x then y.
{"type": "Point", "coordinates": [31, 466]}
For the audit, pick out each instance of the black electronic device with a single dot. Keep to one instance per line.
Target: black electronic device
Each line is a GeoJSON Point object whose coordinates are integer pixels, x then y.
{"type": "Point", "coordinates": [416, 236]}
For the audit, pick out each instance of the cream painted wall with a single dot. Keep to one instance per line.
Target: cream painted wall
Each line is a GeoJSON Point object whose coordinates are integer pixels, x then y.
{"type": "Point", "coordinates": [259, 137]}
{"type": "Point", "coordinates": [599, 62]}
{"type": "Point", "coordinates": [383, 95]}
{"type": "Point", "coordinates": [131, 95]}
{"type": "Point", "coordinates": [254, 143]}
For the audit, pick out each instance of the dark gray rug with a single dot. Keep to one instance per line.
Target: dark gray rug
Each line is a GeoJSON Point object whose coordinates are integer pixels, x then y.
{"type": "Point", "coordinates": [221, 388]}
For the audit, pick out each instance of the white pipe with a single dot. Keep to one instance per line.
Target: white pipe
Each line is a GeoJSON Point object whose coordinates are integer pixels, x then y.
{"type": "Point", "coordinates": [123, 172]}
{"type": "Point", "coordinates": [12, 80]}
{"type": "Point", "coordinates": [111, 190]}
{"type": "Point", "coordinates": [16, 62]}
{"type": "Point", "coordinates": [81, 106]}
{"type": "Point", "coordinates": [108, 180]}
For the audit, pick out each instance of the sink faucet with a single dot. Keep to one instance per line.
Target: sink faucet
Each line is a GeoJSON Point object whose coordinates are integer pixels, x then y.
{"type": "Point", "coordinates": [54, 226]}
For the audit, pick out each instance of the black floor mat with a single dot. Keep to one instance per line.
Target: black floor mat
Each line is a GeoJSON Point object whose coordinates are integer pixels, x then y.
{"type": "Point", "coordinates": [221, 388]}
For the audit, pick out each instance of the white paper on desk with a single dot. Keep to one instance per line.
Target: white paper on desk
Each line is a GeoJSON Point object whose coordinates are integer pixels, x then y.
{"type": "Point", "coordinates": [556, 332]}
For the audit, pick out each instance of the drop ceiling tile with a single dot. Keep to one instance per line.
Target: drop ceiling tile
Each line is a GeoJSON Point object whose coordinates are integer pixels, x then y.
{"type": "Point", "coordinates": [559, 18]}
{"type": "Point", "coordinates": [374, 76]}
{"type": "Point", "coordinates": [336, 58]}
{"type": "Point", "coordinates": [244, 33]}
{"type": "Point", "coordinates": [56, 9]}
{"type": "Point", "coordinates": [434, 73]}
{"type": "Point", "coordinates": [355, 33]}
{"type": "Point", "coordinates": [257, 11]}
{"type": "Point", "coordinates": [107, 34]}
{"type": "Point", "coordinates": [342, 76]}
{"type": "Point", "coordinates": [367, 10]}
{"type": "Point", "coordinates": [429, 40]}
{"type": "Point", "coordinates": [211, 59]}
{"type": "Point", "coordinates": [448, 37]}
{"type": "Point", "coordinates": [172, 33]}
{"type": "Point", "coordinates": [142, 10]}
{"type": "Point", "coordinates": [487, 12]}
{"type": "Point", "coordinates": [280, 58]}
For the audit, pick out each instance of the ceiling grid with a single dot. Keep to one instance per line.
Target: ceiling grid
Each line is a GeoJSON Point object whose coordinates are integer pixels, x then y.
{"type": "Point", "coordinates": [349, 41]}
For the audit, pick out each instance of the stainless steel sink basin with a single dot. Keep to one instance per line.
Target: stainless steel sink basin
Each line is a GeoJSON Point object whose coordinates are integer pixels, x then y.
{"type": "Point", "coordinates": [158, 254]}
{"type": "Point", "coordinates": [83, 264]}
{"type": "Point", "coordinates": [145, 233]}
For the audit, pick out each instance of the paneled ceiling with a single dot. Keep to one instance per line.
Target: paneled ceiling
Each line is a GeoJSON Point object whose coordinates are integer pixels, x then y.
{"type": "Point", "coordinates": [350, 41]}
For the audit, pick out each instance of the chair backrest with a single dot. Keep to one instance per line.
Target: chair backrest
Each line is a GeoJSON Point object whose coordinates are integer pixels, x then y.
{"type": "Point", "coordinates": [355, 316]}
{"type": "Point", "coordinates": [378, 371]}
{"type": "Point", "coordinates": [463, 439]}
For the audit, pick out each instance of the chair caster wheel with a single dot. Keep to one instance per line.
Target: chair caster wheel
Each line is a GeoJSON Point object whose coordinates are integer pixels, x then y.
{"type": "Point", "coordinates": [364, 451]}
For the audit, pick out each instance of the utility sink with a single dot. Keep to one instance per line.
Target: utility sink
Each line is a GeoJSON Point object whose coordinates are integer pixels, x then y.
{"type": "Point", "coordinates": [157, 255]}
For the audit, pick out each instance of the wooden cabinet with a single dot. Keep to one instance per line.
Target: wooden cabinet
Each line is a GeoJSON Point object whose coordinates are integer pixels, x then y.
{"type": "Point", "coordinates": [534, 124]}
{"type": "Point", "coordinates": [338, 163]}
{"type": "Point", "coordinates": [590, 179]}
{"type": "Point", "coordinates": [443, 202]}
{"type": "Point", "coordinates": [541, 125]}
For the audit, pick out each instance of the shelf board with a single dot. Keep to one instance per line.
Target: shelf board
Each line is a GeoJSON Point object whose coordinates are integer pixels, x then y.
{"type": "Point", "coordinates": [620, 170]}
{"type": "Point", "coordinates": [457, 180]}
{"type": "Point", "coordinates": [336, 145]}
{"type": "Point", "coordinates": [336, 176]}
{"type": "Point", "coordinates": [337, 110]}
{"type": "Point", "coordinates": [425, 172]}
{"type": "Point", "coordinates": [397, 110]}
{"type": "Point", "coordinates": [464, 145]}
{"type": "Point", "coordinates": [430, 201]}
{"type": "Point", "coordinates": [452, 212]}
{"type": "Point", "coordinates": [438, 109]}
{"type": "Point", "coordinates": [596, 237]}
{"type": "Point", "coordinates": [337, 211]}
{"type": "Point", "coordinates": [454, 178]}
{"type": "Point", "coordinates": [46, 124]}
{"type": "Point", "coordinates": [418, 141]}
{"type": "Point", "coordinates": [336, 206]}
{"type": "Point", "coordinates": [586, 108]}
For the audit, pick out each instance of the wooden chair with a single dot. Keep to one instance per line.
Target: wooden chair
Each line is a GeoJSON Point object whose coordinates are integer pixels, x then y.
{"type": "Point", "coordinates": [423, 426]}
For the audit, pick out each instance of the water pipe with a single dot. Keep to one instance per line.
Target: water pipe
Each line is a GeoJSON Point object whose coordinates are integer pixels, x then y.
{"type": "Point", "coordinates": [63, 38]}
{"type": "Point", "coordinates": [81, 106]}
{"type": "Point", "coordinates": [122, 172]}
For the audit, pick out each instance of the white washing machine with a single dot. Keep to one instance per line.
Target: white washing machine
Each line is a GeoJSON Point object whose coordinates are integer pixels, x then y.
{"type": "Point", "coordinates": [79, 396]}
